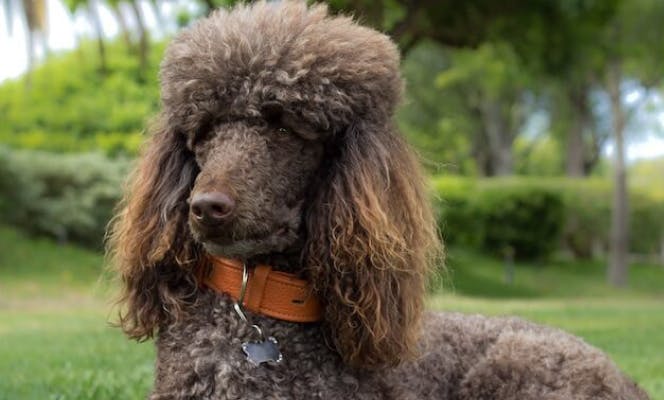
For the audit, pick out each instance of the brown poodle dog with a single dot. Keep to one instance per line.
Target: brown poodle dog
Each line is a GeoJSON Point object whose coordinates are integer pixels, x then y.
{"type": "Point", "coordinates": [276, 146]}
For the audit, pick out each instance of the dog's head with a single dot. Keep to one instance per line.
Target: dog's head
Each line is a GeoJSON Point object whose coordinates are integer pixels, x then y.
{"type": "Point", "coordinates": [276, 139]}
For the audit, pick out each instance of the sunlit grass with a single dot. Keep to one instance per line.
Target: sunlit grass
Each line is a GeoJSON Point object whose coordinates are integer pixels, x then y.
{"type": "Point", "coordinates": [69, 352]}
{"type": "Point", "coordinates": [55, 338]}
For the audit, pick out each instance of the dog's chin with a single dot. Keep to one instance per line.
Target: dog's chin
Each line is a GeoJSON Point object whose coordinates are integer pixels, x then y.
{"type": "Point", "coordinates": [244, 249]}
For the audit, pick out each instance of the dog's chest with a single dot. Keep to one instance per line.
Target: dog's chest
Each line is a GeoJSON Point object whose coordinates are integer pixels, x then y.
{"type": "Point", "coordinates": [216, 368]}
{"type": "Point", "coordinates": [202, 358]}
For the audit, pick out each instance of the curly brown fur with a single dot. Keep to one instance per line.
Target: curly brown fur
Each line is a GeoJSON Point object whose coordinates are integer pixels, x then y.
{"type": "Point", "coordinates": [370, 240]}
{"type": "Point", "coordinates": [150, 247]}
{"type": "Point", "coordinates": [283, 116]}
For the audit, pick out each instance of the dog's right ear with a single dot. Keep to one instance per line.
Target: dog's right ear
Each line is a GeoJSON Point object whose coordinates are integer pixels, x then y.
{"type": "Point", "coordinates": [149, 239]}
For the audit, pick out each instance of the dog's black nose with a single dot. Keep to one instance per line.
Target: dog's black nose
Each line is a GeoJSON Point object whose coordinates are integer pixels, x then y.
{"type": "Point", "coordinates": [212, 207]}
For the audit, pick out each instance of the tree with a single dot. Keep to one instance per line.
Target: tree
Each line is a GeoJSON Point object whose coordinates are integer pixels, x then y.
{"type": "Point", "coordinates": [143, 39]}
{"type": "Point", "coordinates": [632, 50]}
{"type": "Point", "coordinates": [494, 86]}
{"type": "Point", "coordinates": [438, 126]}
{"type": "Point", "coordinates": [569, 62]}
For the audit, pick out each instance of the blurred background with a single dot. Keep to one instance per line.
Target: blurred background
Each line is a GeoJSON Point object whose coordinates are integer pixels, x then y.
{"type": "Point", "coordinates": [541, 124]}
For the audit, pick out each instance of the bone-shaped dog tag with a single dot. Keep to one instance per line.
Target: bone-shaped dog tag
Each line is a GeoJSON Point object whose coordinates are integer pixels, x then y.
{"type": "Point", "coordinates": [264, 351]}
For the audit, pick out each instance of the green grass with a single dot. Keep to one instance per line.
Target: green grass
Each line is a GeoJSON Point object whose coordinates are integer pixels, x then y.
{"type": "Point", "coordinates": [55, 337]}
{"type": "Point", "coordinates": [471, 274]}
{"type": "Point", "coordinates": [56, 343]}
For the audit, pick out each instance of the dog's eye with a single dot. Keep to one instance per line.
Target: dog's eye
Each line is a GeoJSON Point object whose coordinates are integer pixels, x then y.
{"type": "Point", "coordinates": [283, 131]}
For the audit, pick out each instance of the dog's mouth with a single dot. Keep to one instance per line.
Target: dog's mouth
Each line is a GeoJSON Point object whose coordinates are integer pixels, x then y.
{"type": "Point", "coordinates": [244, 247]}
{"type": "Point", "coordinates": [245, 238]}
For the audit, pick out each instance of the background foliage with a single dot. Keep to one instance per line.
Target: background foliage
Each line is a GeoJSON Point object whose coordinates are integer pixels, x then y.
{"type": "Point", "coordinates": [70, 107]}
{"type": "Point", "coordinates": [68, 197]}
{"type": "Point", "coordinates": [534, 217]}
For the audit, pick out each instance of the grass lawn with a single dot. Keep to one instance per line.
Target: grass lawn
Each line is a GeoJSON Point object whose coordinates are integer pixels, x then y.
{"type": "Point", "coordinates": [56, 343]}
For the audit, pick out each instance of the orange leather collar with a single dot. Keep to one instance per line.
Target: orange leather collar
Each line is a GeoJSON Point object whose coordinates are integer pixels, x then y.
{"type": "Point", "coordinates": [271, 293]}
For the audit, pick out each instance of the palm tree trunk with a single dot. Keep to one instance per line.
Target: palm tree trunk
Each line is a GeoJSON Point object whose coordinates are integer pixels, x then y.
{"type": "Point", "coordinates": [35, 17]}
{"type": "Point", "coordinates": [144, 45]}
{"type": "Point", "coordinates": [93, 11]}
{"type": "Point", "coordinates": [122, 22]}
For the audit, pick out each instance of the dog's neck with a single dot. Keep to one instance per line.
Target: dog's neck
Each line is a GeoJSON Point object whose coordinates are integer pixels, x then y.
{"type": "Point", "coordinates": [289, 261]}
{"type": "Point", "coordinates": [263, 294]}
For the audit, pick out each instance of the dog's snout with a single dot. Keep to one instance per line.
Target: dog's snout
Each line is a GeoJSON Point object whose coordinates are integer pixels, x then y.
{"type": "Point", "coordinates": [212, 207]}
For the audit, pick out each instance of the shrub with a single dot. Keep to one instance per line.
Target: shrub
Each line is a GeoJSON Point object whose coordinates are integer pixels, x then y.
{"type": "Point", "coordinates": [646, 224]}
{"type": "Point", "coordinates": [534, 217]}
{"type": "Point", "coordinates": [457, 216]}
{"type": "Point", "coordinates": [587, 215]}
{"type": "Point", "coordinates": [588, 205]}
{"type": "Point", "coordinates": [500, 216]}
{"type": "Point", "coordinates": [520, 219]}
{"type": "Point", "coordinates": [68, 197]}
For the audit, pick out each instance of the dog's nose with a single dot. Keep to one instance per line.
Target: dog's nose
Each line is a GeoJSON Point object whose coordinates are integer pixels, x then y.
{"type": "Point", "coordinates": [211, 208]}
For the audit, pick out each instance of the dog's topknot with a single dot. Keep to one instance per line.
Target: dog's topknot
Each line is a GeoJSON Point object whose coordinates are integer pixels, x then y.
{"type": "Point", "coordinates": [330, 69]}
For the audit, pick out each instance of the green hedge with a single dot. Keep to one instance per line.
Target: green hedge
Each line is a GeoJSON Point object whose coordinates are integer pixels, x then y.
{"type": "Point", "coordinates": [533, 217]}
{"type": "Point", "coordinates": [68, 197]}
{"type": "Point", "coordinates": [501, 216]}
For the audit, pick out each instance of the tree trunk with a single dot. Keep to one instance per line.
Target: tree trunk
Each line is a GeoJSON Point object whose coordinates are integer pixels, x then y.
{"type": "Point", "coordinates": [575, 154]}
{"type": "Point", "coordinates": [93, 11]}
{"type": "Point", "coordinates": [124, 29]}
{"type": "Point", "coordinates": [35, 17]}
{"type": "Point", "coordinates": [619, 263]}
{"type": "Point", "coordinates": [499, 139]}
{"type": "Point", "coordinates": [143, 44]}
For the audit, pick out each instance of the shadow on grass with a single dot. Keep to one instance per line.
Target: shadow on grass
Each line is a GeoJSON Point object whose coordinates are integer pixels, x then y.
{"type": "Point", "coordinates": [473, 274]}
{"type": "Point", "coordinates": [468, 283]}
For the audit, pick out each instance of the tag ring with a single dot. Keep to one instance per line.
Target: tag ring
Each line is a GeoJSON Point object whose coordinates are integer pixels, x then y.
{"type": "Point", "coordinates": [237, 306]}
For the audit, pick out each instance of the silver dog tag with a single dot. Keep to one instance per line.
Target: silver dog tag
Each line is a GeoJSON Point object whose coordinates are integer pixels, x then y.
{"type": "Point", "coordinates": [264, 351]}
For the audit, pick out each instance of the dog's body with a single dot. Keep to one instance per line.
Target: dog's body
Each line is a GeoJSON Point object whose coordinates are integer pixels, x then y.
{"type": "Point", "coordinates": [462, 358]}
{"type": "Point", "coordinates": [276, 146]}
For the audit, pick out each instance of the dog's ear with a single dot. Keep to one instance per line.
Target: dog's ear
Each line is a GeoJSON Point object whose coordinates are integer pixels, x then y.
{"type": "Point", "coordinates": [371, 239]}
{"type": "Point", "coordinates": [149, 239]}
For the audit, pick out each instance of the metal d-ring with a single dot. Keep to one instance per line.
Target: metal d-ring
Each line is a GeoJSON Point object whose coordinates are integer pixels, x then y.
{"type": "Point", "coordinates": [237, 306]}
{"type": "Point", "coordinates": [259, 330]}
